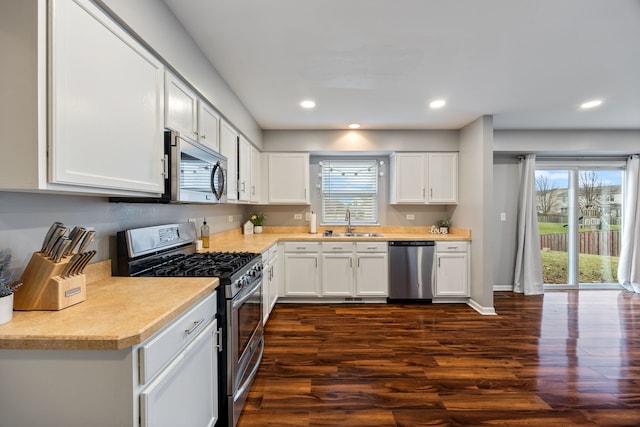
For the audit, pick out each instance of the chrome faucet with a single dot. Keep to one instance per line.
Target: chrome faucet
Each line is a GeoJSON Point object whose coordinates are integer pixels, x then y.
{"type": "Point", "coordinates": [347, 217]}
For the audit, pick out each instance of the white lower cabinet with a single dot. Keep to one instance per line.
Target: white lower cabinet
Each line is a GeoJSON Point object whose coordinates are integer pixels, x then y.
{"type": "Point", "coordinates": [270, 281]}
{"type": "Point", "coordinates": [170, 379]}
{"type": "Point", "coordinates": [372, 269]}
{"type": "Point", "coordinates": [336, 269]}
{"type": "Point", "coordinates": [302, 269]}
{"type": "Point", "coordinates": [452, 269]}
{"type": "Point", "coordinates": [185, 393]}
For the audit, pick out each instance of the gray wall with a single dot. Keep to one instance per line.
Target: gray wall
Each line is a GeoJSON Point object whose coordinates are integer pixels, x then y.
{"type": "Point", "coordinates": [507, 145]}
{"type": "Point", "coordinates": [475, 209]}
{"type": "Point", "coordinates": [382, 141]}
{"type": "Point", "coordinates": [157, 26]}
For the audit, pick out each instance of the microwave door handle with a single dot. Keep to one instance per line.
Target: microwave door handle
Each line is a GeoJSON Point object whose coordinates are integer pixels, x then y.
{"type": "Point", "coordinates": [218, 192]}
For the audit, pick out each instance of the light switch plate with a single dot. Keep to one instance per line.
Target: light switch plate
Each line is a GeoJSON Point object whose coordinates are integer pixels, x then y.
{"type": "Point", "coordinates": [307, 216]}
{"type": "Point", "coordinates": [503, 216]}
{"type": "Point", "coordinates": [230, 218]}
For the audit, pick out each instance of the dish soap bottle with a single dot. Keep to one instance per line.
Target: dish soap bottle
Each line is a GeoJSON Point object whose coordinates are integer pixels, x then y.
{"type": "Point", "coordinates": [204, 234]}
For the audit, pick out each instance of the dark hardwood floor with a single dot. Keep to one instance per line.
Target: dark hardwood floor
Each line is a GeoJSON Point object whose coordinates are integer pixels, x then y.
{"type": "Point", "coordinates": [565, 358]}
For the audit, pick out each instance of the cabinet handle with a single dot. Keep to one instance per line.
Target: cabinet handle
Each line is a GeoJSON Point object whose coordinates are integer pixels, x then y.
{"type": "Point", "coordinates": [431, 193]}
{"type": "Point", "coordinates": [203, 136]}
{"type": "Point", "coordinates": [439, 262]}
{"type": "Point", "coordinates": [351, 262]}
{"type": "Point", "coordinates": [194, 327]}
{"type": "Point", "coordinates": [253, 189]}
{"type": "Point", "coordinates": [243, 186]}
{"type": "Point", "coordinates": [165, 166]}
{"type": "Point", "coordinates": [423, 192]}
{"type": "Point", "coordinates": [316, 263]}
{"type": "Point", "coordinates": [219, 340]}
{"type": "Point", "coordinates": [195, 133]}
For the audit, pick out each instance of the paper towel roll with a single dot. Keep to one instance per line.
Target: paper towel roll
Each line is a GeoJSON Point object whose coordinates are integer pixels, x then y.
{"type": "Point", "coordinates": [313, 224]}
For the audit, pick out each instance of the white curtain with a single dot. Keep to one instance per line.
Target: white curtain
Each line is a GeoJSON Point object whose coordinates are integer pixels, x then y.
{"type": "Point", "coordinates": [528, 272]}
{"type": "Point", "coordinates": [629, 265]}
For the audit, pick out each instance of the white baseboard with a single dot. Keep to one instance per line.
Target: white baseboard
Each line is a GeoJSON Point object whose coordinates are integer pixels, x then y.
{"type": "Point", "coordinates": [502, 288]}
{"type": "Point", "coordinates": [485, 311]}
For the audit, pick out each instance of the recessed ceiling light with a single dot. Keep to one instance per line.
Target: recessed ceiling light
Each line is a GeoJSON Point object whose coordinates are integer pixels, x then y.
{"type": "Point", "coordinates": [438, 103]}
{"type": "Point", "coordinates": [591, 104]}
{"type": "Point", "coordinates": [354, 126]}
{"type": "Point", "coordinates": [307, 104]}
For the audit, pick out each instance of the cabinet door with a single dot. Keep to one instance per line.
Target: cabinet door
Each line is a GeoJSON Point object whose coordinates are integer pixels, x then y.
{"type": "Point", "coordinates": [244, 169]}
{"type": "Point", "coordinates": [106, 104]}
{"type": "Point", "coordinates": [208, 126]}
{"type": "Point", "coordinates": [337, 275]}
{"type": "Point", "coordinates": [266, 291]}
{"type": "Point", "coordinates": [255, 194]}
{"type": "Point", "coordinates": [409, 178]}
{"type": "Point", "coordinates": [452, 274]}
{"type": "Point", "coordinates": [372, 276]}
{"type": "Point", "coordinates": [301, 275]}
{"type": "Point", "coordinates": [181, 105]}
{"type": "Point", "coordinates": [229, 149]}
{"type": "Point", "coordinates": [288, 178]}
{"type": "Point", "coordinates": [275, 282]}
{"type": "Point", "coordinates": [186, 393]}
{"type": "Point", "coordinates": [443, 177]}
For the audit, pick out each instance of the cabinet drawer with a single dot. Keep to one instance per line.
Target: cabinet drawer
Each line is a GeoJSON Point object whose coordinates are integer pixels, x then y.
{"type": "Point", "coordinates": [301, 246]}
{"type": "Point", "coordinates": [156, 352]}
{"type": "Point", "coordinates": [273, 251]}
{"type": "Point", "coordinates": [337, 246]}
{"type": "Point", "coordinates": [451, 246]}
{"type": "Point", "coordinates": [371, 247]}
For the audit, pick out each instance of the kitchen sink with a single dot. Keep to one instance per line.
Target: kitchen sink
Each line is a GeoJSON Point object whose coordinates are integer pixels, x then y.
{"type": "Point", "coordinates": [353, 235]}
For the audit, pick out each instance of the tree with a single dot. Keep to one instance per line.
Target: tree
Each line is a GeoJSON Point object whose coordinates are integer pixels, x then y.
{"type": "Point", "coordinates": [590, 190]}
{"type": "Point", "coordinates": [546, 194]}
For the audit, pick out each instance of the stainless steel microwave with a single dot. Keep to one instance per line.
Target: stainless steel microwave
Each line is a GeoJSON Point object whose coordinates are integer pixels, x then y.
{"type": "Point", "coordinates": [195, 174]}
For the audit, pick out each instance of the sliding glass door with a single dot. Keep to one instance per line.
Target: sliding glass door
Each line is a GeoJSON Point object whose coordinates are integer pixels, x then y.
{"type": "Point", "coordinates": [579, 213]}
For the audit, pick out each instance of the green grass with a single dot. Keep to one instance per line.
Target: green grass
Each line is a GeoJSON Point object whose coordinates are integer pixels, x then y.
{"type": "Point", "coordinates": [592, 268]}
{"type": "Point", "coordinates": [554, 228]}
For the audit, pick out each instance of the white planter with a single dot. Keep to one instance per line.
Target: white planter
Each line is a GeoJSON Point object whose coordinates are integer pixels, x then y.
{"type": "Point", "coordinates": [6, 309]}
{"type": "Point", "coordinates": [444, 230]}
{"type": "Point", "coordinates": [257, 229]}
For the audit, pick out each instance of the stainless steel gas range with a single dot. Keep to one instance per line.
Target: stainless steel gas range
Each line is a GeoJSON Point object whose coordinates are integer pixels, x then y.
{"type": "Point", "coordinates": [169, 251]}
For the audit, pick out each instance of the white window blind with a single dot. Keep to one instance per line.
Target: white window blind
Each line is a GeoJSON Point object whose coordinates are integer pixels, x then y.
{"type": "Point", "coordinates": [349, 184]}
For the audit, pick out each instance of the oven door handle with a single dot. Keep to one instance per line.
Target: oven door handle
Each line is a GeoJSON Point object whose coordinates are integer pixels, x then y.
{"type": "Point", "coordinates": [245, 297]}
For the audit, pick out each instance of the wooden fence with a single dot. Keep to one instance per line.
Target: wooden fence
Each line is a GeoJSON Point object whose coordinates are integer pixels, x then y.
{"type": "Point", "coordinates": [589, 242]}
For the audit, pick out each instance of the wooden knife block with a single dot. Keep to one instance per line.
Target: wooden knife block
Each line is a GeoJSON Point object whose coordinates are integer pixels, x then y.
{"type": "Point", "coordinates": [43, 288]}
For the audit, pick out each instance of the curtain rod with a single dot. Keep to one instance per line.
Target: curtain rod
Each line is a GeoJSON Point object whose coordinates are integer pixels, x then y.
{"type": "Point", "coordinates": [579, 158]}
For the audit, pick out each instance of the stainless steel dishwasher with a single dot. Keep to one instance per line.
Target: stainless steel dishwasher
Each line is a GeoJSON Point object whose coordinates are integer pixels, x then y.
{"type": "Point", "coordinates": [411, 273]}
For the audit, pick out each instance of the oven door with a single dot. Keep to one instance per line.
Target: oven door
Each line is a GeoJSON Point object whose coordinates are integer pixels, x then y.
{"type": "Point", "coordinates": [198, 174]}
{"type": "Point", "coordinates": [244, 343]}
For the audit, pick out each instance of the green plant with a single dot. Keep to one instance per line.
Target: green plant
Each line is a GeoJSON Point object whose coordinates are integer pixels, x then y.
{"type": "Point", "coordinates": [444, 223]}
{"type": "Point", "coordinates": [257, 219]}
{"type": "Point", "coordinates": [6, 278]}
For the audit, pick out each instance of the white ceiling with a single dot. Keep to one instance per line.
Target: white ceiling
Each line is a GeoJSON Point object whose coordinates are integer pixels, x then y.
{"type": "Point", "coordinates": [529, 63]}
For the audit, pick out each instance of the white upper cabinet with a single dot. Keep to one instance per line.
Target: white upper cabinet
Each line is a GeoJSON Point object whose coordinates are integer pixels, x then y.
{"type": "Point", "coordinates": [244, 169]}
{"type": "Point", "coordinates": [106, 103]}
{"type": "Point", "coordinates": [85, 110]}
{"type": "Point", "coordinates": [181, 107]}
{"type": "Point", "coordinates": [190, 115]}
{"type": "Point", "coordinates": [256, 188]}
{"type": "Point", "coordinates": [287, 177]}
{"type": "Point", "coordinates": [424, 178]}
{"type": "Point", "coordinates": [208, 126]}
{"type": "Point", "coordinates": [443, 177]}
{"type": "Point", "coordinates": [229, 149]}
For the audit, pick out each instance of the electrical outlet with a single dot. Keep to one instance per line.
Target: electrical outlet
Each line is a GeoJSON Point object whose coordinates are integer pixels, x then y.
{"type": "Point", "coordinates": [193, 220]}
{"type": "Point", "coordinates": [230, 218]}
{"type": "Point", "coordinates": [503, 216]}
{"type": "Point", "coordinates": [307, 216]}
{"type": "Point", "coordinates": [297, 216]}
{"type": "Point", "coordinates": [411, 217]}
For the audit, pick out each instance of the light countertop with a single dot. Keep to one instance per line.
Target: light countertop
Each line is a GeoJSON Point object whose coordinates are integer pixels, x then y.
{"type": "Point", "coordinates": [119, 312]}
{"type": "Point", "coordinates": [234, 240]}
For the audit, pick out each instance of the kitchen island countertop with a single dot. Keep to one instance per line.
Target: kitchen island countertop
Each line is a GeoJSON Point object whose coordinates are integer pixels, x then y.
{"type": "Point", "coordinates": [119, 312]}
